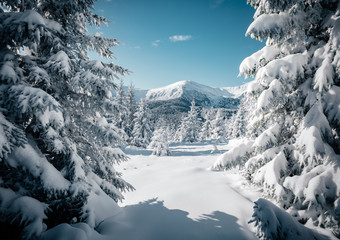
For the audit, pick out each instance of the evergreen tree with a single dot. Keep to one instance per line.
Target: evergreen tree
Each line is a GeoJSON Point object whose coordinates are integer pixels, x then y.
{"type": "Point", "coordinates": [122, 111]}
{"type": "Point", "coordinates": [142, 131]}
{"type": "Point", "coordinates": [190, 125]}
{"type": "Point", "coordinates": [293, 152]}
{"type": "Point", "coordinates": [206, 131]}
{"type": "Point", "coordinates": [131, 110]}
{"type": "Point", "coordinates": [236, 126]}
{"type": "Point", "coordinates": [57, 148]}
{"type": "Point", "coordinates": [159, 142]}
{"type": "Point", "coordinates": [218, 126]}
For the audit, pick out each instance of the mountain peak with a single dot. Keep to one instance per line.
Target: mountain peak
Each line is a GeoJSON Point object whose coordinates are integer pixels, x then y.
{"type": "Point", "coordinates": [188, 90]}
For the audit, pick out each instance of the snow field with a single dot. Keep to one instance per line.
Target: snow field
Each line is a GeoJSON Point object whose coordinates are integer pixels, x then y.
{"type": "Point", "coordinates": [183, 184]}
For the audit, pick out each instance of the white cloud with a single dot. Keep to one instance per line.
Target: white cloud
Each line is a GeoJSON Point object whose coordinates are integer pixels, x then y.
{"type": "Point", "coordinates": [156, 43]}
{"type": "Point", "coordinates": [177, 38]}
{"type": "Point", "coordinates": [217, 3]}
{"type": "Point", "coordinates": [137, 47]}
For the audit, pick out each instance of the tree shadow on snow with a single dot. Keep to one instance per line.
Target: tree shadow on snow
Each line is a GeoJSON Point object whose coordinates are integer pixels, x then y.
{"type": "Point", "coordinates": [151, 220]}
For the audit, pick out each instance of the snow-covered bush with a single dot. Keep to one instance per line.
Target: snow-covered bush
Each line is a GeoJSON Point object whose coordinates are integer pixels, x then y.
{"type": "Point", "coordinates": [57, 149]}
{"type": "Point", "coordinates": [295, 125]}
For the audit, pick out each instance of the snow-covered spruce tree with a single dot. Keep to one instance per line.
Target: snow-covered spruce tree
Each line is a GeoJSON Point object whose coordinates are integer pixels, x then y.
{"type": "Point", "coordinates": [142, 131]}
{"type": "Point", "coordinates": [218, 126]}
{"type": "Point", "coordinates": [121, 112]}
{"type": "Point", "coordinates": [206, 131]}
{"type": "Point", "coordinates": [190, 125]}
{"type": "Point", "coordinates": [159, 141]}
{"type": "Point", "coordinates": [236, 126]}
{"type": "Point", "coordinates": [131, 110]}
{"type": "Point", "coordinates": [293, 152]}
{"type": "Point", "coordinates": [57, 150]}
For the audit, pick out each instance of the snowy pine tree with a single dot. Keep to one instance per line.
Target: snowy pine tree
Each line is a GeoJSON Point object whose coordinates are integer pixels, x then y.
{"type": "Point", "coordinates": [218, 125]}
{"type": "Point", "coordinates": [206, 131]}
{"type": "Point", "coordinates": [121, 109]}
{"type": "Point", "coordinates": [190, 125]}
{"type": "Point", "coordinates": [293, 152]}
{"type": "Point", "coordinates": [236, 126]}
{"type": "Point", "coordinates": [131, 110]}
{"type": "Point", "coordinates": [159, 141]}
{"type": "Point", "coordinates": [142, 131]}
{"type": "Point", "coordinates": [57, 149]}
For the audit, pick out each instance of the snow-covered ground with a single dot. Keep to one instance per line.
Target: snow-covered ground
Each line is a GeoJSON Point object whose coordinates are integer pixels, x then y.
{"type": "Point", "coordinates": [178, 197]}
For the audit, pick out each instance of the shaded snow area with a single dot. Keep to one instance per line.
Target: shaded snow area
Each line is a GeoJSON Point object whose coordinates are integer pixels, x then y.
{"type": "Point", "coordinates": [179, 197]}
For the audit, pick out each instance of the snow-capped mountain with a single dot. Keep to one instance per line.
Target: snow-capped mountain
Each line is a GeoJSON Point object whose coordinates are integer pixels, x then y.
{"type": "Point", "coordinates": [188, 90]}
{"type": "Point", "coordinates": [176, 98]}
{"type": "Point", "coordinates": [226, 97]}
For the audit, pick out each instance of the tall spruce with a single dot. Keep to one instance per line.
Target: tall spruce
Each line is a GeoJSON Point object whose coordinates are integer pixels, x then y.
{"type": "Point", "coordinates": [131, 110]}
{"type": "Point", "coordinates": [57, 149]}
{"type": "Point", "coordinates": [295, 125]}
{"type": "Point", "coordinates": [190, 125]}
{"type": "Point", "coordinates": [218, 125]}
{"type": "Point", "coordinates": [142, 130]}
{"type": "Point", "coordinates": [121, 109]}
{"type": "Point", "coordinates": [207, 129]}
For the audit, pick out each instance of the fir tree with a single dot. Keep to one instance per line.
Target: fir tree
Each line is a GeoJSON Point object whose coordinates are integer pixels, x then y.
{"type": "Point", "coordinates": [57, 148]}
{"type": "Point", "coordinates": [206, 131]}
{"type": "Point", "coordinates": [122, 111]}
{"type": "Point", "coordinates": [295, 126]}
{"type": "Point", "coordinates": [236, 126]}
{"type": "Point", "coordinates": [218, 126]}
{"type": "Point", "coordinates": [190, 125]}
{"type": "Point", "coordinates": [159, 141]}
{"type": "Point", "coordinates": [131, 110]}
{"type": "Point", "coordinates": [142, 131]}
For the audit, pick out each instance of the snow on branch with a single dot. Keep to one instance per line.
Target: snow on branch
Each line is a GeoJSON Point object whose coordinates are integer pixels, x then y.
{"type": "Point", "coordinates": [10, 136]}
{"type": "Point", "coordinates": [269, 25]}
{"type": "Point", "coordinates": [35, 102]}
{"type": "Point", "coordinates": [251, 64]}
{"type": "Point", "coordinates": [274, 223]}
{"type": "Point", "coordinates": [286, 68]}
{"type": "Point", "coordinates": [31, 159]}
{"type": "Point", "coordinates": [28, 211]}
{"type": "Point", "coordinates": [235, 156]}
{"type": "Point", "coordinates": [60, 63]}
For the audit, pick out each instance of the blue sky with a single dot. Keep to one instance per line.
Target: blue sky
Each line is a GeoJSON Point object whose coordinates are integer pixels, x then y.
{"type": "Point", "coordinates": [166, 41]}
